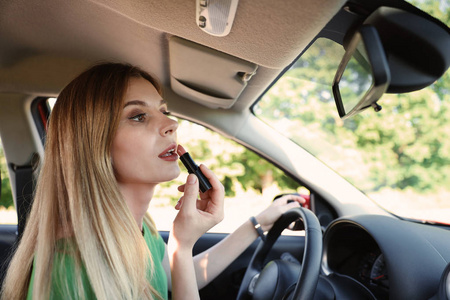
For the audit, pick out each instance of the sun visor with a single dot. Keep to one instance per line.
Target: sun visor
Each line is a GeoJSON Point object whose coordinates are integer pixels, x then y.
{"type": "Point", "coordinates": [206, 76]}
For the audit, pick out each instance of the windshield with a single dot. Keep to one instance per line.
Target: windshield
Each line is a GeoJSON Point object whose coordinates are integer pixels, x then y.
{"type": "Point", "coordinates": [399, 157]}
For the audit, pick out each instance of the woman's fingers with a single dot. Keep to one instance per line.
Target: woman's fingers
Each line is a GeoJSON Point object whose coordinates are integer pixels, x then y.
{"type": "Point", "coordinates": [215, 182]}
{"type": "Point", "coordinates": [196, 216]}
{"type": "Point", "coordinates": [268, 216]}
{"type": "Point", "coordinates": [199, 215]}
{"type": "Point", "coordinates": [288, 199]}
{"type": "Point", "coordinates": [290, 205]}
{"type": "Point", "coordinates": [188, 200]}
{"type": "Point", "coordinates": [217, 192]}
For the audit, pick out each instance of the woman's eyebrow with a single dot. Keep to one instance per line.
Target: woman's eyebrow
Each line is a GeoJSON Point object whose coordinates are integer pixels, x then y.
{"type": "Point", "coordinates": [136, 102]}
{"type": "Point", "coordinates": [143, 103]}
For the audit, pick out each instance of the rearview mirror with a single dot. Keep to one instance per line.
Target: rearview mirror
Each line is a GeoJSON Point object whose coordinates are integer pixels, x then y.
{"type": "Point", "coordinates": [363, 75]}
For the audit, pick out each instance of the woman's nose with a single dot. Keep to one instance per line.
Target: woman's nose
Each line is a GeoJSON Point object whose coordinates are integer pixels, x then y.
{"type": "Point", "coordinates": [170, 127]}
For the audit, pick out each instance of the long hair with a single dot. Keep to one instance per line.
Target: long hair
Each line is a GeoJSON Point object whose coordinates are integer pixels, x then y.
{"type": "Point", "coordinates": [77, 197]}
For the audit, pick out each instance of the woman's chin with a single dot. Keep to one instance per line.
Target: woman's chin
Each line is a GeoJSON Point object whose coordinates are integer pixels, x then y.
{"type": "Point", "coordinates": [173, 175]}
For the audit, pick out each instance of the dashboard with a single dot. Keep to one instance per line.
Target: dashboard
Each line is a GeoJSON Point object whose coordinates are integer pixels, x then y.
{"type": "Point", "coordinates": [388, 257]}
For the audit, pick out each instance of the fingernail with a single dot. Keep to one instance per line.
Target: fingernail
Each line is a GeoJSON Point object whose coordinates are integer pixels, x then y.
{"type": "Point", "coordinates": [191, 179]}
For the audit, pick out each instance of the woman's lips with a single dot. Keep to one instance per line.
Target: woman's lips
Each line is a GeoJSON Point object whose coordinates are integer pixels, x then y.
{"type": "Point", "coordinates": [169, 154]}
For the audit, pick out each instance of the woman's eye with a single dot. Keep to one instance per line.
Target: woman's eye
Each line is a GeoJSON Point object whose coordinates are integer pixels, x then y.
{"type": "Point", "coordinates": [138, 118]}
{"type": "Point", "coordinates": [167, 113]}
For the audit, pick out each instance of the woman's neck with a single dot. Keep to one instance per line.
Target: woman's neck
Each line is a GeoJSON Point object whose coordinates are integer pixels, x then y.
{"type": "Point", "coordinates": [137, 197]}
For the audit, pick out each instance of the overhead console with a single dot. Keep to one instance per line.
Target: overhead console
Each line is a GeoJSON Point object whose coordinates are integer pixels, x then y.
{"type": "Point", "coordinates": [207, 76]}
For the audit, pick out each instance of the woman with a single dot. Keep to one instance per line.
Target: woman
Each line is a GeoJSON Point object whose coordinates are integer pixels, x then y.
{"type": "Point", "coordinates": [109, 144]}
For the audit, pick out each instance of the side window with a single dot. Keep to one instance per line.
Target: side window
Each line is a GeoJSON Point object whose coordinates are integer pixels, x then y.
{"type": "Point", "coordinates": [250, 182]}
{"type": "Point", "coordinates": [8, 213]}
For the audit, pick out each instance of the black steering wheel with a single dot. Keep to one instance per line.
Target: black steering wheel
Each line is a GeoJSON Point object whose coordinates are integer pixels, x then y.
{"type": "Point", "coordinates": [269, 282]}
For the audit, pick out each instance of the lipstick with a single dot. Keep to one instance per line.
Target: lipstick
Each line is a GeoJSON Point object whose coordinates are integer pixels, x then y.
{"type": "Point", "coordinates": [192, 168]}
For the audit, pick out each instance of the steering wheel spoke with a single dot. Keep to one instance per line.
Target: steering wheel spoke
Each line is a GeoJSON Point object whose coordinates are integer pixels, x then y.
{"type": "Point", "coordinates": [272, 281]}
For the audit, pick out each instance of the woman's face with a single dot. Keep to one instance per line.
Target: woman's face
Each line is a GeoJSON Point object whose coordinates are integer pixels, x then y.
{"type": "Point", "coordinates": [144, 148]}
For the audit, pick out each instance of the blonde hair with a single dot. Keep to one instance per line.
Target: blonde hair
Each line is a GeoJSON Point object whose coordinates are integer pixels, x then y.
{"type": "Point", "coordinates": [77, 196]}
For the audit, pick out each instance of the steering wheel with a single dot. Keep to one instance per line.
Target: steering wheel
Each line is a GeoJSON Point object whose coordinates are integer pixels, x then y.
{"type": "Point", "coordinates": [261, 279]}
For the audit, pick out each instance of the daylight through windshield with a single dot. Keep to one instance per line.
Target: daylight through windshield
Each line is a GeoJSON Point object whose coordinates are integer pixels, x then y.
{"type": "Point", "coordinates": [399, 157]}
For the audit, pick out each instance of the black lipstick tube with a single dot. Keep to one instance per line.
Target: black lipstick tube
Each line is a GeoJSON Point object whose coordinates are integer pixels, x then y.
{"type": "Point", "coordinates": [192, 168]}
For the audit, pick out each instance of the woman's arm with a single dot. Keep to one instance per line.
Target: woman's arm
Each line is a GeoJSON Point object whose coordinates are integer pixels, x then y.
{"type": "Point", "coordinates": [210, 263]}
{"type": "Point", "coordinates": [195, 217]}
{"type": "Point", "coordinates": [184, 284]}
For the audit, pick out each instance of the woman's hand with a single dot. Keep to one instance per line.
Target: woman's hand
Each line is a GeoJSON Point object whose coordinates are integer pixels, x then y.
{"type": "Point", "coordinates": [278, 207]}
{"type": "Point", "coordinates": [196, 216]}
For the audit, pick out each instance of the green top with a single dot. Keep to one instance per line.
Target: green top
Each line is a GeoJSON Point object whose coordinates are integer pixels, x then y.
{"type": "Point", "coordinates": [156, 246]}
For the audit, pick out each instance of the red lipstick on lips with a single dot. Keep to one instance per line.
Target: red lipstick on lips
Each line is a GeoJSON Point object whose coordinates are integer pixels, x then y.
{"type": "Point", "coordinates": [192, 168]}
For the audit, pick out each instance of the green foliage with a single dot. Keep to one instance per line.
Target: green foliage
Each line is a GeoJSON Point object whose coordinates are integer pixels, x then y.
{"type": "Point", "coordinates": [405, 146]}
{"type": "Point", "coordinates": [411, 138]}
{"type": "Point", "coordinates": [259, 173]}
{"type": "Point", "coordinates": [6, 199]}
{"type": "Point", "coordinates": [236, 167]}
